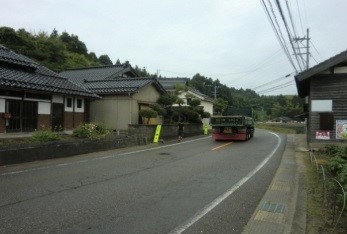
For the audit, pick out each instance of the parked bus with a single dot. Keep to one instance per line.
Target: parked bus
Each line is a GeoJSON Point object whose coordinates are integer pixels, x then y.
{"type": "Point", "coordinates": [232, 128]}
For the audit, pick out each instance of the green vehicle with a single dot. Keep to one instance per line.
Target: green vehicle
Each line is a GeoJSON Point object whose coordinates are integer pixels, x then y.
{"type": "Point", "coordinates": [232, 128]}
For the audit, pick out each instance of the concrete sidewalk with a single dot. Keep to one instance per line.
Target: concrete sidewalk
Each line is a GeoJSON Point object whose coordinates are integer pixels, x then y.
{"type": "Point", "coordinates": [283, 207]}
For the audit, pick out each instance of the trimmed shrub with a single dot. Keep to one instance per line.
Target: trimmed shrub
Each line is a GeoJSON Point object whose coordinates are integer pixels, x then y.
{"type": "Point", "coordinates": [91, 131]}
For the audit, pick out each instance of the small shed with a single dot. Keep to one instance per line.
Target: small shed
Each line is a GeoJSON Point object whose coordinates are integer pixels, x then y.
{"type": "Point", "coordinates": [325, 88]}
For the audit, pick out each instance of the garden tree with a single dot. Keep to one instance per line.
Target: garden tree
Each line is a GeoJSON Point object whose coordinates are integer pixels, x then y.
{"type": "Point", "coordinates": [195, 106]}
{"type": "Point", "coordinates": [195, 102]}
{"type": "Point", "coordinates": [148, 114]}
{"type": "Point", "coordinates": [180, 88]}
{"type": "Point", "coordinates": [206, 114]}
{"type": "Point", "coordinates": [117, 62]}
{"type": "Point", "coordinates": [179, 101]}
{"type": "Point", "coordinates": [167, 99]}
{"type": "Point", "coordinates": [188, 115]}
{"type": "Point", "coordinates": [159, 109]}
{"type": "Point", "coordinates": [220, 105]}
{"type": "Point", "coordinates": [105, 60]}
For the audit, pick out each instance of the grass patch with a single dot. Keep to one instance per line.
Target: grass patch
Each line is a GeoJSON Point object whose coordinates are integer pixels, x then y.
{"type": "Point", "coordinates": [15, 141]}
{"type": "Point", "coordinates": [315, 222]}
{"type": "Point", "coordinates": [279, 129]}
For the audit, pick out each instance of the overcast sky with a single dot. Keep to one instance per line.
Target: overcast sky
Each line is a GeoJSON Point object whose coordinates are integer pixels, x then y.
{"type": "Point", "coordinates": [229, 40]}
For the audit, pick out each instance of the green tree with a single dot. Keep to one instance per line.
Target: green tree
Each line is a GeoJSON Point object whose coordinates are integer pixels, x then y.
{"type": "Point", "coordinates": [148, 114]}
{"type": "Point", "coordinates": [220, 105]}
{"type": "Point", "coordinates": [159, 109]}
{"type": "Point", "coordinates": [105, 60]}
{"type": "Point", "coordinates": [195, 102]}
{"type": "Point", "coordinates": [73, 44]}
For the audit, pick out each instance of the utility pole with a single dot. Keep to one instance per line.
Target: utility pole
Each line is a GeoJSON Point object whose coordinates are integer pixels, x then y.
{"type": "Point", "coordinates": [308, 49]}
{"type": "Point", "coordinates": [307, 38]}
{"type": "Point", "coordinates": [215, 91]}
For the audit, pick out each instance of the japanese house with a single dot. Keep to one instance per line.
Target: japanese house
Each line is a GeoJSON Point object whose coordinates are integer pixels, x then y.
{"type": "Point", "coordinates": [325, 88]}
{"type": "Point", "coordinates": [32, 97]}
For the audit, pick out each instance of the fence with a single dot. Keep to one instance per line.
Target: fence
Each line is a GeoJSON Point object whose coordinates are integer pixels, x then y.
{"type": "Point", "coordinates": [334, 196]}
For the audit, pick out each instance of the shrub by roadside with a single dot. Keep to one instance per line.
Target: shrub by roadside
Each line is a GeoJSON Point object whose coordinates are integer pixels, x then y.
{"type": "Point", "coordinates": [91, 131]}
{"type": "Point", "coordinates": [45, 135]}
{"type": "Point", "coordinates": [325, 212]}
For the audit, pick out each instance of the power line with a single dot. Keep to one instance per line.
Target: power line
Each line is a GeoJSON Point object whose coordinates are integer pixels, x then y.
{"type": "Point", "coordinates": [288, 31]}
{"type": "Point", "coordinates": [281, 86]}
{"type": "Point", "coordinates": [299, 13]}
{"type": "Point", "coordinates": [295, 35]}
{"type": "Point", "coordinates": [278, 32]}
{"type": "Point", "coordinates": [273, 81]}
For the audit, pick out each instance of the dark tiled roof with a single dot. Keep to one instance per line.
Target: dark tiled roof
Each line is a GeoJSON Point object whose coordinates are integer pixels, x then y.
{"type": "Point", "coordinates": [122, 85]}
{"type": "Point", "coordinates": [79, 75]}
{"type": "Point", "coordinates": [169, 83]}
{"type": "Point", "coordinates": [197, 92]}
{"type": "Point", "coordinates": [302, 79]}
{"type": "Point", "coordinates": [18, 71]}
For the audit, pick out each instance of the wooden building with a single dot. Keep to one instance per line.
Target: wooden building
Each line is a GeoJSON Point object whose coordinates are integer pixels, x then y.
{"type": "Point", "coordinates": [325, 88]}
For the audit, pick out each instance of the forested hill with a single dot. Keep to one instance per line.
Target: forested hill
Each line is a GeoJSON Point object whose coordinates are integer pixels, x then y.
{"type": "Point", "coordinates": [56, 51]}
{"type": "Point", "coordinates": [62, 51]}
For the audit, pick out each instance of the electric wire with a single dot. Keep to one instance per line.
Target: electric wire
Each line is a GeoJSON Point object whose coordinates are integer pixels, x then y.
{"type": "Point", "coordinates": [302, 60]}
{"type": "Point", "coordinates": [282, 43]}
{"type": "Point", "coordinates": [299, 13]}
{"type": "Point", "coordinates": [288, 32]}
{"type": "Point", "coordinates": [281, 86]}
{"type": "Point", "coordinates": [273, 81]}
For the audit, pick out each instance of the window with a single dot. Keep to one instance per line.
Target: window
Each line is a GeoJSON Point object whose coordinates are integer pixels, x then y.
{"type": "Point", "coordinates": [79, 103]}
{"type": "Point", "coordinates": [68, 102]}
{"type": "Point", "coordinates": [326, 121]}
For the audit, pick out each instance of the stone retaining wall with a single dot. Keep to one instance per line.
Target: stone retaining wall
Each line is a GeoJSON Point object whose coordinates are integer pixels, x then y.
{"type": "Point", "coordinates": [137, 135]}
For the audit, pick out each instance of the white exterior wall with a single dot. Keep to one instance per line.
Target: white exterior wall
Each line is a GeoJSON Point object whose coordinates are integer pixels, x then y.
{"type": "Point", "coordinates": [2, 105]}
{"type": "Point", "coordinates": [208, 106]}
{"type": "Point", "coordinates": [44, 108]}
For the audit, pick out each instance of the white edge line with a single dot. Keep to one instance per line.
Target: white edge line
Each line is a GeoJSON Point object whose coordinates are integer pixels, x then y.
{"type": "Point", "coordinates": [96, 159]}
{"type": "Point", "coordinates": [225, 195]}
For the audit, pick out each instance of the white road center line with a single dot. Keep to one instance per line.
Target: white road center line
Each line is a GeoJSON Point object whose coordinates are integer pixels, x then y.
{"type": "Point", "coordinates": [225, 195]}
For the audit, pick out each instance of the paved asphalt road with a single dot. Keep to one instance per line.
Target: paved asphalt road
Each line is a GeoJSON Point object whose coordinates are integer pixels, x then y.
{"type": "Point", "coordinates": [194, 186]}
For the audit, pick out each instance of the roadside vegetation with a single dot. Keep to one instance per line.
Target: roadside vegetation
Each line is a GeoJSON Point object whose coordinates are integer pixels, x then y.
{"type": "Point", "coordinates": [284, 128]}
{"type": "Point", "coordinates": [91, 131]}
{"type": "Point", "coordinates": [325, 199]}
